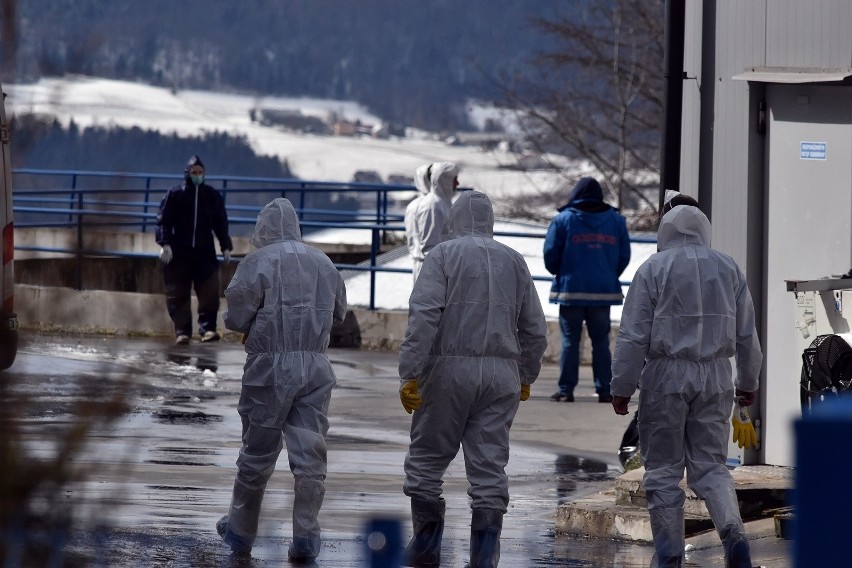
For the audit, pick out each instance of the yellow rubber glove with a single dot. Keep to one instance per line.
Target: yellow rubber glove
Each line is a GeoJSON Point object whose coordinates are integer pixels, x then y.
{"type": "Point", "coordinates": [409, 397]}
{"type": "Point", "coordinates": [525, 392]}
{"type": "Point", "coordinates": [743, 429]}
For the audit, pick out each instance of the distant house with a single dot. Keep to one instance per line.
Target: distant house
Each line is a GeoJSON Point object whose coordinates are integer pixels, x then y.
{"type": "Point", "coordinates": [533, 162]}
{"type": "Point", "coordinates": [485, 140]}
{"type": "Point", "coordinates": [343, 128]}
{"type": "Point", "coordinates": [367, 176]}
{"type": "Point", "coordinates": [290, 119]}
{"type": "Point", "coordinates": [381, 130]}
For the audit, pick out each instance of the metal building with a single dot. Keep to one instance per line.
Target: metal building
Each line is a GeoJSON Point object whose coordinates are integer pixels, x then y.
{"type": "Point", "coordinates": [766, 147]}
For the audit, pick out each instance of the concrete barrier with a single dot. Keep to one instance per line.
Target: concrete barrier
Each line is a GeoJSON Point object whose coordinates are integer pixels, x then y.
{"type": "Point", "coordinates": [128, 313]}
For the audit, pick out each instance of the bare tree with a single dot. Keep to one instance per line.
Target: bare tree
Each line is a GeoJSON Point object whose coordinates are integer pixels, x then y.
{"type": "Point", "coordinates": [9, 34]}
{"type": "Point", "coordinates": [597, 96]}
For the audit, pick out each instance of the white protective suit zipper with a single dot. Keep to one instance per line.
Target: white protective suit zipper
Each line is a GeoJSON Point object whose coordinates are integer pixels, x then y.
{"type": "Point", "coordinates": [195, 216]}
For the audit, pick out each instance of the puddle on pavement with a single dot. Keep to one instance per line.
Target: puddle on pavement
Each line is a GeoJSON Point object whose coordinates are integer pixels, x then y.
{"type": "Point", "coordinates": [362, 454]}
{"type": "Point", "coordinates": [174, 416]}
{"type": "Point", "coordinates": [200, 362]}
{"type": "Point", "coordinates": [181, 456]}
{"type": "Point", "coordinates": [574, 471]}
{"type": "Point", "coordinates": [177, 488]}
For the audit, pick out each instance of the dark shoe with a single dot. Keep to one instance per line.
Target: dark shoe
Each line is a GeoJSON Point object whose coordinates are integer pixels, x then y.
{"type": "Point", "coordinates": [604, 398]}
{"type": "Point", "coordinates": [209, 336]}
{"type": "Point", "coordinates": [561, 396]}
{"type": "Point", "coordinates": [668, 562]}
{"type": "Point", "coordinates": [182, 340]}
{"type": "Point", "coordinates": [737, 554]}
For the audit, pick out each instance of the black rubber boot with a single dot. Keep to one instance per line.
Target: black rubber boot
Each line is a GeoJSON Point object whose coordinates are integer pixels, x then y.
{"type": "Point", "coordinates": [427, 518]}
{"type": "Point", "coordinates": [667, 529]}
{"type": "Point", "coordinates": [737, 550]}
{"type": "Point", "coordinates": [308, 495]}
{"type": "Point", "coordinates": [485, 528]}
{"type": "Point", "coordinates": [239, 527]}
{"type": "Point", "coordinates": [667, 562]}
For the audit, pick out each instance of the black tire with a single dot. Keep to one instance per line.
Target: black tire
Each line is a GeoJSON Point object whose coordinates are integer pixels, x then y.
{"type": "Point", "coordinates": [8, 348]}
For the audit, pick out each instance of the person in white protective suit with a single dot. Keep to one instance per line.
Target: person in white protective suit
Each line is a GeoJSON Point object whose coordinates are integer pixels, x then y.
{"type": "Point", "coordinates": [427, 215]}
{"type": "Point", "coordinates": [688, 311]}
{"type": "Point", "coordinates": [476, 335]}
{"type": "Point", "coordinates": [284, 297]}
{"type": "Point", "coordinates": [422, 182]}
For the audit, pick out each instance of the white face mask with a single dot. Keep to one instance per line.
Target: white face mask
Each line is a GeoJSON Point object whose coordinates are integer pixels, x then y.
{"type": "Point", "coordinates": [197, 179]}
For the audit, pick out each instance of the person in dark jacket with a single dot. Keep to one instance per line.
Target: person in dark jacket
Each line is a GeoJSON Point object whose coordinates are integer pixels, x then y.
{"type": "Point", "coordinates": [190, 214]}
{"type": "Point", "coordinates": [587, 248]}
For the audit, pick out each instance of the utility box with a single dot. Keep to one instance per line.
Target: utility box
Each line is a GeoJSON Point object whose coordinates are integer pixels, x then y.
{"type": "Point", "coordinates": [823, 321]}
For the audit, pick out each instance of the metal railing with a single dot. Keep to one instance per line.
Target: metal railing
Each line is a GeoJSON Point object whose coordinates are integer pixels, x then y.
{"type": "Point", "coordinates": [81, 200]}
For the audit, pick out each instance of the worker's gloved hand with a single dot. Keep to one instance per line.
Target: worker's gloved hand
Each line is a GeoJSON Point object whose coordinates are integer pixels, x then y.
{"type": "Point", "coordinates": [245, 338]}
{"type": "Point", "coordinates": [744, 398]}
{"type": "Point", "coordinates": [619, 404]}
{"type": "Point", "coordinates": [409, 397]}
{"type": "Point", "coordinates": [525, 392]}
{"type": "Point", "coordinates": [166, 255]}
{"type": "Point", "coordinates": [743, 430]}
{"type": "Point", "coordinates": [226, 254]}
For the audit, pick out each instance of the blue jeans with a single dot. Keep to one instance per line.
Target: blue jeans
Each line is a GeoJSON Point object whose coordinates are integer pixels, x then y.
{"type": "Point", "coordinates": [597, 320]}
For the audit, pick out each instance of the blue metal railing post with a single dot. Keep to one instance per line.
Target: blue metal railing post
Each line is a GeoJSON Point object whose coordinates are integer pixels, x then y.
{"type": "Point", "coordinates": [374, 252]}
{"type": "Point", "coordinates": [71, 199]}
{"type": "Point", "coordinates": [385, 200]}
{"type": "Point", "coordinates": [79, 277]}
{"type": "Point", "coordinates": [147, 197]}
{"type": "Point", "coordinates": [379, 213]}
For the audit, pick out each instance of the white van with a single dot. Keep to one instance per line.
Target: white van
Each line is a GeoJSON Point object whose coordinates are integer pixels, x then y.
{"type": "Point", "coordinates": [8, 318]}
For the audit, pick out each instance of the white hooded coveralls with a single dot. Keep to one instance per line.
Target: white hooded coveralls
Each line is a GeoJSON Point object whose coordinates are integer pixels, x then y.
{"type": "Point", "coordinates": [426, 216]}
{"type": "Point", "coordinates": [476, 331]}
{"type": "Point", "coordinates": [688, 311]}
{"type": "Point", "coordinates": [284, 296]}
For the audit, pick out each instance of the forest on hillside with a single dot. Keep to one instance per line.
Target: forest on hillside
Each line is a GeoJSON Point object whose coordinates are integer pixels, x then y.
{"type": "Point", "coordinates": [410, 62]}
{"type": "Point", "coordinates": [44, 143]}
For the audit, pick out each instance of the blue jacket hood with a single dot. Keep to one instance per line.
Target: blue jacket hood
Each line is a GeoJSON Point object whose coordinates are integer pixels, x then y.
{"type": "Point", "coordinates": [587, 190]}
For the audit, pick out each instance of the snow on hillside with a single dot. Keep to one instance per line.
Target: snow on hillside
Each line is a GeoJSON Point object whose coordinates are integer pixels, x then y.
{"type": "Point", "coordinates": [93, 101]}
{"type": "Point", "coordinates": [104, 102]}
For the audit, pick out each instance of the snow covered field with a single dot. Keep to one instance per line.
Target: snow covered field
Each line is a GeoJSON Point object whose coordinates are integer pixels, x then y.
{"type": "Point", "coordinates": [104, 102]}
{"type": "Point", "coordinates": [393, 289]}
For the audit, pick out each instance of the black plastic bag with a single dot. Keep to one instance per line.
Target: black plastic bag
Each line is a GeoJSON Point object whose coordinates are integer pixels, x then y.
{"type": "Point", "coordinates": [628, 452]}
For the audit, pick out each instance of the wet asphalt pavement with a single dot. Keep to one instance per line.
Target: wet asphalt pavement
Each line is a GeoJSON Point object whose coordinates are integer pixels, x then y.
{"type": "Point", "coordinates": [159, 476]}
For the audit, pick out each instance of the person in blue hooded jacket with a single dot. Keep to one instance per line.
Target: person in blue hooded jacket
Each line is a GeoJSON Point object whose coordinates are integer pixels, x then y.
{"type": "Point", "coordinates": [586, 249]}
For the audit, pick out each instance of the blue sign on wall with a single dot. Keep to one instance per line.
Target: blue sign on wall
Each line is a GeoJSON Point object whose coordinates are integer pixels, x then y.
{"type": "Point", "coordinates": [812, 150]}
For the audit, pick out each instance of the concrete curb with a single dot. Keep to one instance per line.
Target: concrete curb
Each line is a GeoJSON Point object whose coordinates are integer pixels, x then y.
{"type": "Point", "coordinates": [622, 513]}
{"type": "Point", "coordinates": [130, 313]}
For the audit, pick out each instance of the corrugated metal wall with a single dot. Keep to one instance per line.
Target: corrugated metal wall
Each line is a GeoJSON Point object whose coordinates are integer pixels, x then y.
{"type": "Point", "coordinates": [739, 44]}
{"type": "Point", "coordinates": [808, 34]}
{"type": "Point", "coordinates": [723, 154]}
{"type": "Point", "coordinates": [757, 33]}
